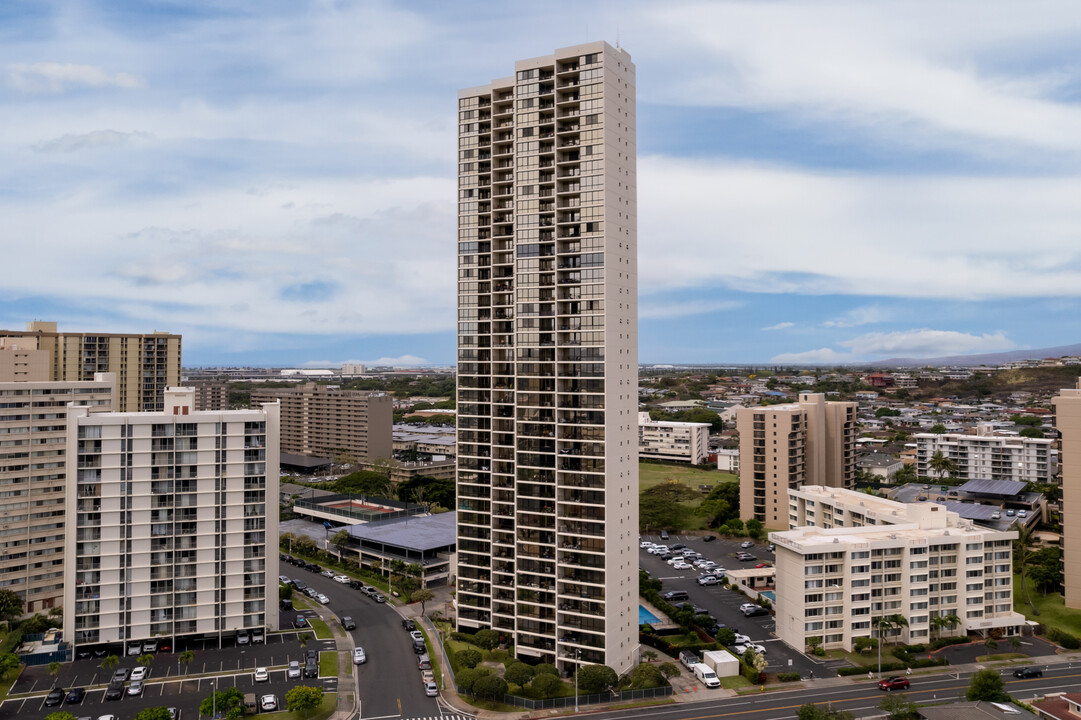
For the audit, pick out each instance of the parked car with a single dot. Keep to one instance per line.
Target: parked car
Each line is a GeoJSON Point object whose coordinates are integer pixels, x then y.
{"type": "Point", "coordinates": [709, 580]}
{"type": "Point", "coordinates": [257, 637]}
{"type": "Point", "coordinates": [709, 538]}
{"type": "Point", "coordinates": [356, 584]}
{"type": "Point", "coordinates": [135, 649]}
{"type": "Point", "coordinates": [896, 682]}
{"type": "Point", "coordinates": [115, 690]}
{"type": "Point", "coordinates": [284, 580]}
{"type": "Point", "coordinates": [261, 675]}
{"type": "Point", "coordinates": [135, 688]}
{"type": "Point", "coordinates": [742, 648]}
{"type": "Point", "coordinates": [431, 689]}
{"type": "Point", "coordinates": [745, 556]}
{"type": "Point", "coordinates": [379, 598]}
{"type": "Point", "coordinates": [763, 565]}
{"type": "Point", "coordinates": [359, 658]}
{"type": "Point", "coordinates": [675, 595]}
{"type": "Point", "coordinates": [322, 598]}
{"type": "Point", "coordinates": [140, 673]}
{"type": "Point", "coordinates": [268, 703]}
{"type": "Point", "coordinates": [243, 638]}
{"type": "Point", "coordinates": [1027, 672]}
{"type": "Point", "coordinates": [348, 624]}
{"type": "Point", "coordinates": [1022, 513]}
{"type": "Point", "coordinates": [301, 622]}
{"type": "Point", "coordinates": [408, 624]}
{"type": "Point", "coordinates": [311, 592]}
{"type": "Point", "coordinates": [424, 662]}
{"type": "Point", "coordinates": [299, 586]}
{"type": "Point", "coordinates": [311, 668]}
{"type": "Point", "coordinates": [746, 544]}
{"type": "Point", "coordinates": [327, 573]}
{"type": "Point", "coordinates": [293, 670]}
{"type": "Point", "coordinates": [55, 697]}
{"type": "Point", "coordinates": [645, 544]}
{"type": "Point", "coordinates": [75, 696]}
{"type": "Point", "coordinates": [664, 534]}
{"type": "Point", "coordinates": [689, 658]}
{"type": "Point", "coordinates": [756, 610]}
{"type": "Point", "coordinates": [343, 579]}
{"type": "Point", "coordinates": [676, 546]}
{"type": "Point", "coordinates": [419, 647]}
{"type": "Point", "coordinates": [285, 604]}
{"type": "Point", "coordinates": [150, 646]}
{"type": "Point", "coordinates": [680, 565]}
{"type": "Point", "coordinates": [121, 674]}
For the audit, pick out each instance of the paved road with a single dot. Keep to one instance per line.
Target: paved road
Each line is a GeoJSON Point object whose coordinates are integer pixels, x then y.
{"type": "Point", "coordinates": [389, 683]}
{"type": "Point", "coordinates": [862, 698]}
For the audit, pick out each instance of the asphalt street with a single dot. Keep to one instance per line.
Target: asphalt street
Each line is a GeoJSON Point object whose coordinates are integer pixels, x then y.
{"type": "Point", "coordinates": [389, 683]}
{"type": "Point", "coordinates": [723, 604]}
{"type": "Point", "coordinates": [861, 698]}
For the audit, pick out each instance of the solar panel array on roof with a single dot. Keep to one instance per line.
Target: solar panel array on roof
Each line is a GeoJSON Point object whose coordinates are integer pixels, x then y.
{"type": "Point", "coordinates": [1003, 488]}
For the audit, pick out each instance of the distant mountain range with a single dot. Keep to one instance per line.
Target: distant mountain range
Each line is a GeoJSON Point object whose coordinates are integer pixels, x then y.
{"type": "Point", "coordinates": [985, 359]}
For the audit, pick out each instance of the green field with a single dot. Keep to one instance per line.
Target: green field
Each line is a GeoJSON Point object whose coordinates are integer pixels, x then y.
{"type": "Point", "coordinates": [1053, 610]}
{"type": "Point", "coordinates": [650, 474]}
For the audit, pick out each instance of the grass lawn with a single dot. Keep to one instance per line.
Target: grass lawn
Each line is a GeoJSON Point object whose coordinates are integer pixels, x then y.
{"type": "Point", "coordinates": [868, 660]}
{"type": "Point", "coordinates": [322, 631]}
{"type": "Point", "coordinates": [300, 602]}
{"type": "Point", "coordinates": [1053, 611]}
{"type": "Point", "coordinates": [328, 663]}
{"type": "Point", "coordinates": [325, 710]}
{"type": "Point", "coordinates": [735, 682]}
{"type": "Point", "coordinates": [6, 681]}
{"type": "Point", "coordinates": [650, 474]}
{"type": "Point", "coordinates": [1001, 656]}
{"type": "Point", "coordinates": [432, 654]}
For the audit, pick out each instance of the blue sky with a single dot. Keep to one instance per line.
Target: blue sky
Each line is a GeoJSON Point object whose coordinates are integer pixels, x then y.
{"type": "Point", "coordinates": [818, 181]}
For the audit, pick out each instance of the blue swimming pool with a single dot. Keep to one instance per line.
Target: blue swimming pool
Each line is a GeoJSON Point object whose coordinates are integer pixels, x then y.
{"type": "Point", "coordinates": [769, 594]}
{"type": "Point", "coordinates": [646, 617]}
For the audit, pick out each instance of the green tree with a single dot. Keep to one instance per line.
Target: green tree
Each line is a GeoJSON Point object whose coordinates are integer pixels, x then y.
{"type": "Point", "coordinates": [285, 592]}
{"type": "Point", "coordinates": [490, 687]}
{"type": "Point", "coordinates": [486, 639]}
{"type": "Point", "coordinates": [466, 676]}
{"type": "Point", "coordinates": [467, 658]}
{"type": "Point", "coordinates": [899, 707]}
{"type": "Point", "coordinates": [60, 715]}
{"type": "Point", "coordinates": [649, 655]}
{"type": "Point", "coordinates": [340, 540]}
{"type": "Point", "coordinates": [546, 669]}
{"type": "Point", "coordinates": [1031, 432]}
{"type": "Point", "coordinates": [668, 669]}
{"type": "Point", "coordinates": [660, 506]}
{"type": "Point", "coordinates": [898, 622]}
{"type": "Point", "coordinates": [546, 685]}
{"type": "Point", "coordinates": [726, 636]}
{"type": "Point", "coordinates": [941, 465]}
{"type": "Point", "coordinates": [304, 545]}
{"type": "Point", "coordinates": [154, 713]}
{"type": "Point", "coordinates": [54, 669]}
{"type": "Point", "coordinates": [11, 605]}
{"type": "Point", "coordinates": [109, 662]}
{"type": "Point", "coordinates": [8, 662]}
{"type": "Point", "coordinates": [518, 674]}
{"type": "Point", "coordinates": [186, 657]}
{"type": "Point", "coordinates": [228, 702]}
{"type": "Point", "coordinates": [987, 685]}
{"type": "Point", "coordinates": [596, 678]}
{"type": "Point", "coordinates": [145, 660]}
{"type": "Point", "coordinates": [423, 596]}
{"type": "Point", "coordinates": [810, 711]}
{"type": "Point", "coordinates": [721, 504]}
{"type": "Point", "coordinates": [907, 474]}
{"type": "Point", "coordinates": [991, 643]}
{"type": "Point", "coordinates": [645, 675]}
{"type": "Point", "coordinates": [938, 429]}
{"type": "Point", "coordinates": [1022, 555]}
{"type": "Point", "coordinates": [303, 698]}
{"type": "Point", "coordinates": [754, 528]}
{"type": "Point", "coordinates": [1046, 572]}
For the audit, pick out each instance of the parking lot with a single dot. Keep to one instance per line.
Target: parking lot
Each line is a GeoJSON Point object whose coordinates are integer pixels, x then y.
{"type": "Point", "coordinates": [723, 604]}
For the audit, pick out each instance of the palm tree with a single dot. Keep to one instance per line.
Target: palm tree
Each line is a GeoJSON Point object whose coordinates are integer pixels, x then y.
{"type": "Point", "coordinates": [1022, 555]}
{"type": "Point", "coordinates": [882, 625]}
{"type": "Point", "coordinates": [145, 660]}
{"type": "Point", "coordinates": [952, 621]}
{"type": "Point", "coordinates": [941, 465]}
{"type": "Point", "coordinates": [898, 621]}
{"type": "Point", "coordinates": [937, 623]}
{"type": "Point", "coordinates": [109, 662]}
{"type": "Point", "coordinates": [302, 638]}
{"type": "Point", "coordinates": [185, 657]}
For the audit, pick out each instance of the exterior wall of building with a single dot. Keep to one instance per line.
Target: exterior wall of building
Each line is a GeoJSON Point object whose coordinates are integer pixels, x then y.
{"type": "Point", "coordinates": [675, 441]}
{"type": "Point", "coordinates": [547, 350]}
{"type": "Point", "coordinates": [787, 446]}
{"type": "Point", "coordinates": [176, 523]}
{"type": "Point", "coordinates": [728, 461]}
{"type": "Point", "coordinates": [327, 422]}
{"type": "Point", "coordinates": [33, 444]}
{"type": "Point", "coordinates": [987, 456]}
{"type": "Point", "coordinates": [851, 558]}
{"type": "Point", "coordinates": [211, 396]}
{"type": "Point", "coordinates": [144, 364]}
{"type": "Point", "coordinates": [1068, 422]}
{"type": "Point", "coordinates": [21, 361]}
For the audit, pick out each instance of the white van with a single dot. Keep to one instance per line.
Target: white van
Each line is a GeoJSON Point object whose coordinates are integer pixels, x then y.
{"type": "Point", "coordinates": [706, 676]}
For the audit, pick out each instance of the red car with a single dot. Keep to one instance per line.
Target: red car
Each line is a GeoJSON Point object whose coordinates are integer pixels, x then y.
{"type": "Point", "coordinates": [893, 683]}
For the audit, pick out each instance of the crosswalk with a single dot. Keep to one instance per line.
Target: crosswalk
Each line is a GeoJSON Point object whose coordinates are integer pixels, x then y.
{"type": "Point", "coordinates": [442, 717]}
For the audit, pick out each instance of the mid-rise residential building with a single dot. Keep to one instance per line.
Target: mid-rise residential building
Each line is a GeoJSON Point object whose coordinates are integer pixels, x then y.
{"type": "Point", "coordinates": [210, 395]}
{"type": "Point", "coordinates": [810, 442]}
{"type": "Point", "coordinates": [20, 360]}
{"type": "Point", "coordinates": [33, 444]}
{"type": "Point", "coordinates": [986, 456]}
{"type": "Point", "coordinates": [144, 364]}
{"type": "Point", "coordinates": [330, 422]}
{"type": "Point", "coordinates": [1068, 423]}
{"type": "Point", "coordinates": [175, 524]}
{"type": "Point", "coordinates": [673, 441]}
{"type": "Point", "coordinates": [852, 558]}
{"type": "Point", "coordinates": [728, 460]}
{"type": "Point", "coordinates": [548, 358]}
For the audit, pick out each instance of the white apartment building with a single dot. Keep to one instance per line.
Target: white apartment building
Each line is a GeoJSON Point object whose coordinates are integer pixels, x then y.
{"type": "Point", "coordinates": [728, 460]}
{"type": "Point", "coordinates": [175, 524]}
{"type": "Point", "coordinates": [988, 456]}
{"type": "Point", "coordinates": [548, 358]}
{"type": "Point", "coordinates": [33, 443]}
{"type": "Point", "coordinates": [851, 558]}
{"type": "Point", "coordinates": [674, 441]}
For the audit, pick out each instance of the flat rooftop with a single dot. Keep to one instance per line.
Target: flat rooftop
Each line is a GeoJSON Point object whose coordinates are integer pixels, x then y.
{"type": "Point", "coordinates": [420, 532]}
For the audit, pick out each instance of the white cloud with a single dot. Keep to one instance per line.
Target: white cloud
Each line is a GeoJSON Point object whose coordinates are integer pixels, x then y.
{"type": "Point", "coordinates": [96, 139]}
{"type": "Point", "coordinates": [779, 326]}
{"type": "Point", "coordinates": [788, 230]}
{"type": "Point", "coordinates": [57, 77]}
{"type": "Point", "coordinates": [822, 356]}
{"type": "Point", "coordinates": [401, 361]}
{"type": "Point", "coordinates": [927, 343]}
{"type": "Point", "coordinates": [685, 308]}
{"type": "Point", "coordinates": [867, 315]}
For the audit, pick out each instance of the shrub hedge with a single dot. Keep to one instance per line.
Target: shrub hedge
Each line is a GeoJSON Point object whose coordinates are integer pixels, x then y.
{"type": "Point", "coordinates": [894, 666]}
{"type": "Point", "coordinates": [1064, 639]}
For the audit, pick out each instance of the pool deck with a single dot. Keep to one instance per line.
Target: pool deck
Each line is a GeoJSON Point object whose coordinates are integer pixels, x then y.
{"type": "Point", "coordinates": [665, 623]}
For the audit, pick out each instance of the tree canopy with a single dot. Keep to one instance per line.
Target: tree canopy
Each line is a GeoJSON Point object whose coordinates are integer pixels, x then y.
{"type": "Point", "coordinates": [596, 678]}
{"type": "Point", "coordinates": [987, 685]}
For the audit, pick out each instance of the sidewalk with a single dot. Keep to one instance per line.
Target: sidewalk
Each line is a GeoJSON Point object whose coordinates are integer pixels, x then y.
{"type": "Point", "coordinates": [347, 683]}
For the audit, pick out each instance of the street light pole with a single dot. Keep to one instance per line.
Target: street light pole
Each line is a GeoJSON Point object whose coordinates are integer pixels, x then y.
{"type": "Point", "coordinates": [577, 658]}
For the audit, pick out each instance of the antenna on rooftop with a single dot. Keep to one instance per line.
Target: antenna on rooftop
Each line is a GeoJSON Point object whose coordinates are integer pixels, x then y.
{"type": "Point", "coordinates": [617, 37]}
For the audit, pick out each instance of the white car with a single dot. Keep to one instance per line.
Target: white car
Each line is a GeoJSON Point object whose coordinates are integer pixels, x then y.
{"type": "Point", "coordinates": [359, 658]}
{"type": "Point", "coordinates": [709, 580]}
{"type": "Point", "coordinates": [659, 549]}
{"type": "Point", "coordinates": [284, 580]}
{"type": "Point", "coordinates": [140, 673]}
{"type": "Point", "coordinates": [681, 565]}
{"type": "Point", "coordinates": [261, 675]}
{"type": "Point", "coordinates": [744, 647]}
{"type": "Point", "coordinates": [431, 689]}
{"type": "Point", "coordinates": [746, 544]}
{"type": "Point", "coordinates": [322, 598]}
{"type": "Point", "coordinates": [343, 579]}
{"type": "Point", "coordinates": [107, 717]}
{"type": "Point", "coordinates": [742, 639]}
{"type": "Point", "coordinates": [747, 606]}
{"type": "Point", "coordinates": [645, 544]}
{"type": "Point", "coordinates": [416, 635]}
{"type": "Point", "coordinates": [293, 671]}
{"type": "Point", "coordinates": [327, 573]}
{"type": "Point", "coordinates": [135, 688]}
{"type": "Point", "coordinates": [268, 702]}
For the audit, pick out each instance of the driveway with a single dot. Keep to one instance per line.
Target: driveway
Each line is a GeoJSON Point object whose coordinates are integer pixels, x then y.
{"type": "Point", "coordinates": [963, 654]}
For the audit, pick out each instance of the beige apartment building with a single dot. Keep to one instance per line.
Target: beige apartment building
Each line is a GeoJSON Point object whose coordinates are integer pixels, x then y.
{"type": "Point", "coordinates": [1068, 422]}
{"type": "Point", "coordinates": [985, 455]}
{"type": "Point", "coordinates": [330, 422]}
{"type": "Point", "coordinates": [210, 395]}
{"type": "Point", "coordinates": [810, 442]}
{"type": "Point", "coordinates": [144, 364]}
{"type": "Point", "coordinates": [175, 525]}
{"type": "Point", "coordinates": [672, 441]}
{"type": "Point", "coordinates": [852, 558]}
{"type": "Point", "coordinates": [548, 358]}
{"type": "Point", "coordinates": [20, 360]}
{"type": "Point", "coordinates": [33, 443]}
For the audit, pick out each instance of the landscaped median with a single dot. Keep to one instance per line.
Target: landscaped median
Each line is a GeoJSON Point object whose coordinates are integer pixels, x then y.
{"type": "Point", "coordinates": [328, 663]}
{"type": "Point", "coordinates": [326, 708]}
{"type": "Point", "coordinates": [321, 629]}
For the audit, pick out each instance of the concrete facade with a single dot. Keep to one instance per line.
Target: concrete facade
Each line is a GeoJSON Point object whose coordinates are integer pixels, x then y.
{"type": "Point", "coordinates": [33, 456]}
{"type": "Point", "coordinates": [176, 523]}
{"type": "Point", "coordinates": [987, 456]}
{"type": "Point", "coordinates": [1068, 422]}
{"type": "Point", "coordinates": [811, 442]}
{"type": "Point", "coordinates": [330, 422]}
{"type": "Point", "coordinates": [674, 441]}
{"type": "Point", "coordinates": [144, 364]}
{"type": "Point", "coordinates": [851, 558]}
{"type": "Point", "coordinates": [548, 358]}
